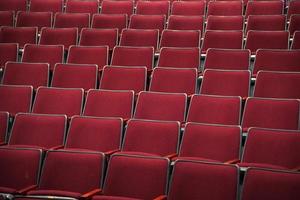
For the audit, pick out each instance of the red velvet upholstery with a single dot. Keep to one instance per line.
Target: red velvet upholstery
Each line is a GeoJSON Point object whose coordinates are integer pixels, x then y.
{"type": "Point", "coordinates": [34, 74]}
{"type": "Point", "coordinates": [99, 37]}
{"type": "Point", "coordinates": [180, 22]}
{"type": "Point", "coordinates": [7, 18]}
{"type": "Point", "coordinates": [8, 52]}
{"type": "Point", "coordinates": [109, 103]}
{"type": "Point", "coordinates": [294, 24]}
{"type": "Point", "coordinates": [268, 184]}
{"type": "Point", "coordinates": [223, 8]}
{"type": "Point", "coordinates": [92, 133]}
{"type": "Point", "coordinates": [90, 7]}
{"type": "Point", "coordinates": [161, 106]}
{"type": "Point", "coordinates": [174, 80]}
{"type": "Point", "coordinates": [153, 8]}
{"type": "Point", "coordinates": [50, 54]}
{"type": "Point", "coordinates": [215, 109]}
{"type": "Point", "coordinates": [222, 40]}
{"type": "Point", "coordinates": [154, 137]}
{"type": "Point", "coordinates": [14, 5]}
{"type": "Point", "coordinates": [296, 40]}
{"type": "Point", "coordinates": [11, 95]}
{"type": "Point", "coordinates": [133, 56]}
{"type": "Point", "coordinates": [59, 36]}
{"type": "Point", "coordinates": [266, 23]}
{"type": "Point", "coordinates": [75, 76]}
{"type": "Point", "coordinates": [188, 8]}
{"type": "Point", "coordinates": [88, 55]}
{"type": "Point", "coordinates": [43, 131]}
{"type": "Point", "coordinates": [148, 22]}
{"type": "Point", "coordinates": [180, 38]}
{"type": "Point", "coordinates": [117, 7]}
{"type": "Point", "coordinates": [179, 57]}
{"type": "Point", "coordinates": [68, 101]}
{"type": "Point", "coordinates": [46, 6]}
{"type": "Point", "coordinates": [20, 35]}
{"type": "Point", "coordinates": [19, 168]}
{"type": "Point", "coordinates": [271, 113]}
{"type": "Point", "coordinates": [216, 142]}
{"type": "Point", "coordinates": [4, 117]}
{"type": "Point", "coordinates": [276, 60]}
{"type": "Point", "coordinates": [124, 78]}
{"type": "Point", "coordinates": [197, 180]}
{"type": "Point", "coordinates": [70, 20]}
{"type": "Point", "coordinates": [107, 21]}
{"type": "Point", "coordinates": [34, 19]}
{"type": "Point", "coordinates": [226, 82]}
{"type": "Point", "coordinates": [294, 8]}
{"type": "Point", "coordinates": [226, 23]}
{"type": "Point", "coordinates": [264, 8]}
{"type": "Point", "coordinates": [272, 147]}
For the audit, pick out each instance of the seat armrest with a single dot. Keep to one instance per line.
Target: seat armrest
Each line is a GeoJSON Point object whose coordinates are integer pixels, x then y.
{"type": "Point", "coordinates": [27, 189]}
{"type": "Point", "coordinates": [89, 194]}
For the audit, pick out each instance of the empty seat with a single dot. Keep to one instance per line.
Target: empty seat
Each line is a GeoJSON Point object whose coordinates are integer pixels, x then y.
{"type": "Point", "coordinates": [270, 148]}
{"type": "Point", "coordinates": [225, 23]}
{"type": "Point", "coordinates": [76, 174]}
{"type": "Point", "coordinates": [88, 55]}
{"type": "Point", "coordinates": [174, 80]}
{"type": "Point", "coordinates": [179, 57]}
{"type": "Point", "coordinates": [4, 119]}
{"type": "Point", "coordinates": [180, 38]}
{"type": "Point", "coordinates": [38, 131]}
{"type": "Point", "coordinates": [229, 59]}
{"type": "Point", "coordinates": [296, 40]}
{"type": "Point", "coordinates": [7, 18]}
{"type": "Point", "coordinates": [11, 95]}
{"type": "Point", "coordinates": [269, 184]}
{"type": "Point", "coordinates": [197, 180]}
{"type": "Point", "coordinates": [20, 35]}
{"type": "Point", "coordinates": [151, 138]}
{"type": "Point", "coordinates": [72, 20]}
{"type": "Point", "coordinates": [107, 21]}
{"type": "Point", "coordinates": [133, 56]}
{"type": "Point", "coordinates": [68, 101]}
{"type": "Point", "coordinates": [59, 36]}
{"type": "Point", "coordinates": [117, 7]}
{"type": "Point", "coordinates": [267, 40]}
{"type": "Point", "coordinates": [271, 113]}
{"type": "Point", "coordinates": [293, 8]}
{"type": "Point", "coordinates": [135, 177]}
{"type": "Point", "coordinates": [34, 19]}
{"type": "Point", "coordinates": [46, 6]}
{"type": "Point", "coordinates": [8, 52]}
{"type": "Point", "coordinates": [215, 109]}
{"type": "Point", "coordinates": [161, 106]}
{"type": "Point", "coordinates": [77, 6]}
{"type": "Point", "coordinates": [13, 5]}
{"type": "Point", "coordinates": [188, 8]}
{"type": "Point", "coordinates": [15, 178]}
{"type": "Point", "coordinates": [225, 8]}
{"type": "Point", "coordinates": [276, 60]}
{"type": "Point", "coordinates": [140, 38]}
{"type": "Point", "coordinates": [75, 76]}
{"type": "Point", "coordinates": [266, 22]}
{"type": "Point", "coordinates": [226, 82]}
{"type": "Point", "coordinates": [264, 8]}
{"type": "Point", "coordinates": [222, 40]}
{"type": "Point", "coordinates": [153, 8]}
{"type": "Point", "coordinates": [100, 134]}
{"type": "Point", "coordinates": [50, 54]}
{"type": "Point", "coordinates": [99, 37]}
{"type": "Point", "coordinates": [34, 74]}
{"type": "Point", "coordinates": [294, 24]}
{"type": "Point", "coordinates": [148, 22]}
{"type": "Point", "coordinates": [208, 142]}
{"type": "Point", "coordinates": [179, 22]}
{"type": "Point", "coordinates": [124, 78]}
{"type": "Point", "coordinates": [109, 103]}
{"type": "Point", "coordinates": [277, 85]}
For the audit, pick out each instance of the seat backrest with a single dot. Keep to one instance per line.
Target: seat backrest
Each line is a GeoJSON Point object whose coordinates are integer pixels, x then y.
{"type": "Point", "coordinates": [34, 19]}
{"type": "Point", "coordinates": [266, 23]}
{"type": "Point", "coordinates": [161, 106]}
{"type": "Point", "coordinates": [188, 8]}
{"type": "Point", "coordinates": [107, 21]}
{"type": "Point", "coordinates": [296, 40]}
{"type": "Point", "coordinates": [272, 147]}
{"type": "Point", "coordinates": [148, 22]}
{"type": "Point", "coordinates": [109, 103]}
{"type": "Point", "coordinates": [222, 8]}
{"type": "Point", "coordinates": [7, 18]}
{"type": "Point", "coordinates": [46, 6]}
{"type": "Point", "coordinates": [20, 35]}
{"type": "Point", "coordinates": [215, 109]}
{"type": "Point", "coordinates": [136, 176]}
{"type": "Point", "coordinates": [50, 54]}
{"type": "Point", "coordinates": [10, 96]}
{"type": "Point", "coordinates": [34, 74]}
{"type": "Point", "coordinates": [293, 8]}
{"type": "Point", "coordinates": [264, 8]}
{"type": "Point", "coordinates": [68, 101]}
{"type": "Point", "coordinates": [270, 184]}
{"type": "Point", "coordinates": [90, 7]}
{"type": "Point", "coordinates": [43, 131]}
{"type": "Point", "coordinates": [151, 137]}
{"type": "Point", "coordinates": [13, 5]}
{"type": "Point", "coordinates": [198, 180]}
{"type": "Point", "coordinates": [4, 119]}
{"type": "Point", "coordinates": [117, 7]}
{"type": "Point", "coordinates": [271, 113]}
{"type": "Point", "coordinates": [294, 24]}
{"type": "Point", "coordinates": [15, 177]}
{"type": "Point", "coordinates": [8, 52]}
{"type": "Point", "coordinates": [153, 8]}
{"type": "Point", "coordinates": [72, 20]}
{"type": "Point", "coordinates": [124, 78]}
{"type": "Point", "coordinates": [181, 22]}
{"type": "Point", "coordinates": [225, 23]}
{"type": "Point", "coordinates": [180, 38]}
{"type": "Point", "coordinates": [100, 134]}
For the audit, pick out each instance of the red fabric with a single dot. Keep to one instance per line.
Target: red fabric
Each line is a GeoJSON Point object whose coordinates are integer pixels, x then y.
{"type": "Point", "coordinates": [181, 22]}
{"type": "Point", "coordinates": [266, 23]}
{"type": "Point", "coordinates": [153, 8]}
{"type": "Point", "coordinates": [4, 116]}
{"type": "Point", "coordinates": [215, 22]}
{"type": "Point", "coordinates": [90, 7]}
{"type": "Point", "coordinates": [294, 24]}
{"type": "Point", "coordinates": [118, 21]}
{"type": "Point", "coordinates": [15, 5]}
{"type": "Point", "coordinates": [180, 38]}
{"type": "Point", "coordinates": [148, 22]}
{"type": "Point", "coordinates": [117, 7]}
{"type": "Point", "coordinates": [20, 35]}
{"type": "Point", "coordinates": [46, 6]}
{"type": "Point", "coordinates": [104, 197]}
{"type": "Point", "coordinates": [296, 40]}
{"type": "Point", "coordinates": [54, 193]}
{"type": "Point", "coordinates": [8, 52]}
{"type": "Point", "coordinates": [69, 20]}
{"type": "Point", "coordinates": [34, 19]}
{"type": "Point", "coordinates": [6, 18]}
{"type": "Point", "coordinates": [223, 8]}
{"type": "Point", "coordinates": [264, 8]}
{"type": "Point", "coordinates": [188, 8]}
{"type": "Point", "coordinates": [294, 7]}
